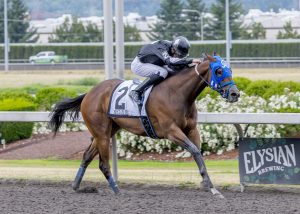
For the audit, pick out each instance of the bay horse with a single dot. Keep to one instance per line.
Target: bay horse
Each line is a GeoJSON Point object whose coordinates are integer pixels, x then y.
{"type": "Point", "coordinates": [170, 106]}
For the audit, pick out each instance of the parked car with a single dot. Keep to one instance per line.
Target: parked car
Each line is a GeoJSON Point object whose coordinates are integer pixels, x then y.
{"type": "Point", "coordinates": [46, 57]}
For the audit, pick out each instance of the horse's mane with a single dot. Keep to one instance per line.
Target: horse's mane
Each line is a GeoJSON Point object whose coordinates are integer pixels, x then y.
{"type": "Point", "coordinates": [184, 70]}
{"type": "Point", "coordinates": [180, 71]}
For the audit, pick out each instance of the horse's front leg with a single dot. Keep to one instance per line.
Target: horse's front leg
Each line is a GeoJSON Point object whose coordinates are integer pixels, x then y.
{"type": "Point", "coordinates": [178, 137]}
{"type": "Point", "coordinates": [194, 137]}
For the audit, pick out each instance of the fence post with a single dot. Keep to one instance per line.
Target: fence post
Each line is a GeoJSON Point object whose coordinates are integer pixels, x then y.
{"type": "Point", "coordinates": [239, 130]}
{"type": "Point", "coordinates": [114, 158]}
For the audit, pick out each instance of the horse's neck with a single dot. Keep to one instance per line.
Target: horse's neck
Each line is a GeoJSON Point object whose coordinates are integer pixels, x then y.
{"type": "Point", "coordinates": [188, 83]}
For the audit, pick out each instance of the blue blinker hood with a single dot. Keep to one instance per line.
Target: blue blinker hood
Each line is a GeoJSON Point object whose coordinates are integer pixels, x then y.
{"type": "Point", "coordinates": [216, 81]}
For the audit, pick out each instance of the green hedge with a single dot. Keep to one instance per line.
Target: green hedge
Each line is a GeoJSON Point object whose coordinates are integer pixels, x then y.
{"type": "Point", "coordinates": [16, 94]}
{"type": "Point", "coordinates": [73, 52]}
{"type": "Point", "coordinates": [96, 52]}
{"type": "Point", "coordinates": [47, 97]}
{"type": "Point", "coordinates": [268, 88]}
{"type": "Point", "coordinates": [17, 104]}
{"type": "Point", "coordinates": [12, 131]}
{"type": "Point", "coordinates": [242, 83]}
{"type": "Point", "coordinates": [259, 87]}
{"type": "Point", "coordinates": [278, 88]}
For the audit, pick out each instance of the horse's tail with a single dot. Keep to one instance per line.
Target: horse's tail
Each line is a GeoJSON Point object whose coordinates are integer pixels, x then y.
{"type": "Point", "coordinates": [58, 113]}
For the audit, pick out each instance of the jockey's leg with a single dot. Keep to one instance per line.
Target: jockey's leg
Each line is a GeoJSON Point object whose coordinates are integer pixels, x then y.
{"type": "Point", "coordinates": [136, 94]}
{"type": "Point", "coordinates": [154, 73]}
{"type": "Point", "coordinates": [176, 135]}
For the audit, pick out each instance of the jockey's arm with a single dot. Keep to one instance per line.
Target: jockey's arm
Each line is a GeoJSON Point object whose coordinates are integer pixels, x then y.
{"type": "Point", "coordinates": [174, 61]}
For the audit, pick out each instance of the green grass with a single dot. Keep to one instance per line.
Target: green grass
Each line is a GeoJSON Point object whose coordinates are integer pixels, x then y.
{"type": "Point", "coordinates": [216, 165]}
{"type": "Point", "coordinates": [88, 81]}
{"type": "Point", "coordinates": [150, 172]}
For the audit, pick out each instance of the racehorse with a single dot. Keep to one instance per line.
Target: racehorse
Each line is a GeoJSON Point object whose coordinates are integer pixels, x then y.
{"type": "Point", "coordinates": [170, 106]}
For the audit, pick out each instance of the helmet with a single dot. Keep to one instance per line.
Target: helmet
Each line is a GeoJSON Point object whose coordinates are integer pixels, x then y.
{"type": "Point", "coordinates": [181, 46]}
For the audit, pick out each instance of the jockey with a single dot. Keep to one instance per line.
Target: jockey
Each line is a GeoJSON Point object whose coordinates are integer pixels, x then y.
{"type": "Point", "coordinates": [156, 60]}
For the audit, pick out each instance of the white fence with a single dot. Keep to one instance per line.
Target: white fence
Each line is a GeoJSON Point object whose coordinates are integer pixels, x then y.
{"type": "Point", "coordinates": [222, 118]}
{"type": "Point", "coordinates": [225, 118]}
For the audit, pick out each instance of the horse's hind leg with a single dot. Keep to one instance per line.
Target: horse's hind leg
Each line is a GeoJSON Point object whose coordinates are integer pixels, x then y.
{"type": "Point", "coordinates": [103, 148]}
{"type": "Point", "coordinates": [88, 156]}
{"type": "Point", "coordinates": [102, 132]}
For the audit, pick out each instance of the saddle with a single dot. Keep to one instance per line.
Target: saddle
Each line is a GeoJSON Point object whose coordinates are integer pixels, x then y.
{"type": "Point", "coordinates": [122, 106]}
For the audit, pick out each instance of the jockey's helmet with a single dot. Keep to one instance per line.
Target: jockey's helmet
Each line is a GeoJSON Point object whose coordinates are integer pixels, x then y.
{"type": "Point", "coordinates": [181, 46]}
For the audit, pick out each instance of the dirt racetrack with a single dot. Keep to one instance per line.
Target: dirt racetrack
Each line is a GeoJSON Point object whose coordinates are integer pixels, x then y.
{"type": "Point", "coordinates": [42, 197]}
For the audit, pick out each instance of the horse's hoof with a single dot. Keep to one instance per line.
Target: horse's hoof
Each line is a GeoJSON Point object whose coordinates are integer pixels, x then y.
{"type": "Point", "coordinates": [216, 193]}
{"type": "Point", "coordinates": [75, 187]}
{"type": "Point", "coordinates": [116, 190]}
{"type": "Point", "coordinates": [219, 196]}
{"type": "Point", "coordinates": [204, 186]}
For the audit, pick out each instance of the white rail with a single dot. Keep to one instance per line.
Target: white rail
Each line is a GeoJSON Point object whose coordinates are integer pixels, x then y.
{"type": "Point", "coordinates": [22, 116]}
{"type": "Point", "coordinates": [225, 118]}
{"type": "Point", "coordinates": [249, 118]}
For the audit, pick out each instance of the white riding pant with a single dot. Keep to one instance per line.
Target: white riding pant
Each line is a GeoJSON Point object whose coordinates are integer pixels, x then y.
{"type": "Point", "coordinates": [147, 69]}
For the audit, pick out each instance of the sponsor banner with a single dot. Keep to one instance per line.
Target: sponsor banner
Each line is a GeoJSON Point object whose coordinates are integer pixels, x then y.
{"type": "Point", "coordinates": [269, 160]}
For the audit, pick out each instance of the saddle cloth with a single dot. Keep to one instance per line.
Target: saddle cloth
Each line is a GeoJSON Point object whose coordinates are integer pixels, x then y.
{"type": "Point", "coordinates": [121, 105]}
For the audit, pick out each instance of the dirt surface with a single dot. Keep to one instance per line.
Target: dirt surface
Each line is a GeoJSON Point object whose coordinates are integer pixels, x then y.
{"type": "Point", "coordinates": [28, 196]}
{"type": "Point", "coordinates": [71, 145]}
{"type": "Point", "coordinates": [63, 146]}
{"type": "Point", "coordinates": [36, 197]}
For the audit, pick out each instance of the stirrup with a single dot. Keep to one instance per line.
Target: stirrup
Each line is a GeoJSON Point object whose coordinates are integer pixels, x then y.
{"type": "Point", "coordinates": [136, 96]}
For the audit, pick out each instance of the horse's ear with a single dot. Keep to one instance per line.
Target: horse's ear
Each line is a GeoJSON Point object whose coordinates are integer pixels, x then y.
{"type": "Point", "coordinates": [210, 58]}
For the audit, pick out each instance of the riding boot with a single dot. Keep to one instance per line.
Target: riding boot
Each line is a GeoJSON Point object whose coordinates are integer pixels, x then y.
{"type": "Point", "coordinates": [136, 94]}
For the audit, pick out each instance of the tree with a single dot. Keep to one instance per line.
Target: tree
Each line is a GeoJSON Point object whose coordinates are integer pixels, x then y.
{"type": "Point", "coordinates": [170, 24]}
{"type": "Point", "coordinates": [257, 32]}
{"type": "Point", "coordinates": [73, 30]}
{"type": "Point", "coordinates": [132, 34]}
{"type": "Point", "coordinates": [194, 10]}
{"type": "Point", "coordinates": [18, 23]}
{"type": "Point", "coordinates": [216, 27]}
{"type": "Point", "coordinates": [288, 33]}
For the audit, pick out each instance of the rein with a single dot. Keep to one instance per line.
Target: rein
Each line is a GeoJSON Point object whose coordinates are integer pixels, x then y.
{"type": "Point", "coordinates": [197, 72]}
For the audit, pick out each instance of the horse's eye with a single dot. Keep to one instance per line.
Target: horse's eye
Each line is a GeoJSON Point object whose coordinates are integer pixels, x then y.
{"type": "Point", "coordinates": [219, 72]}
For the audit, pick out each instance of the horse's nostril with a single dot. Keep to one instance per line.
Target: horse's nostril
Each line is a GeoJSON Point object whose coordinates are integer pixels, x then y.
{"type": "Point", "coordinates": [233, 94]}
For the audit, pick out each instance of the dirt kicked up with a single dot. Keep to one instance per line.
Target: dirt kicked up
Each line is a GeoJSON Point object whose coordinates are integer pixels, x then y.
{"type": "Point", "coordinates": [50, 197]}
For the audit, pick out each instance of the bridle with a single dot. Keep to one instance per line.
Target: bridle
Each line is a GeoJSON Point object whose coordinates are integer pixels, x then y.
{"type": "Point", "coordinates": [197, 72]}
